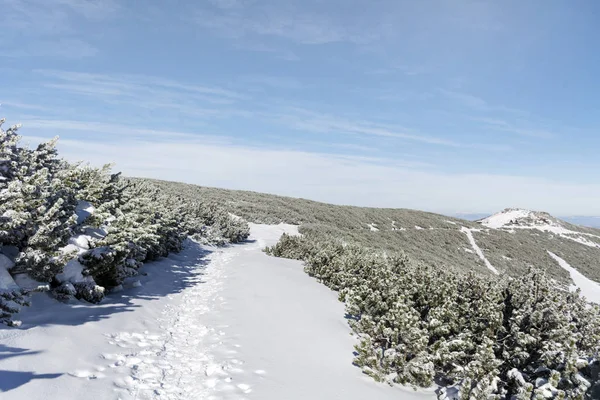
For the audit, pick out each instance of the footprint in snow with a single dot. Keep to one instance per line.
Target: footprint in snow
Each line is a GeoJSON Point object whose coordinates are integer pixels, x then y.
{"type": "Point", "coordinates": [244, 388]}
{"type": "Point", "coordinates": [81, 373]}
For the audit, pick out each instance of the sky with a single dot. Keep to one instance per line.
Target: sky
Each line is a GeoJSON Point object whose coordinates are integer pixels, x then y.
{"type": "Point", "coordinates": [447, 106]}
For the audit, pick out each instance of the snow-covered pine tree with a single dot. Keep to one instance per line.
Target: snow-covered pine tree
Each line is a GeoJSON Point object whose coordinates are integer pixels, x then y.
{"type": "Point", "coordinates": [37, 207]}
{"type": "Point", "coordinates": [122, 222]}
{"type": "Point", "coordinates": [140, 227]}
{"type": "Point", "coordinates": [9, 153]}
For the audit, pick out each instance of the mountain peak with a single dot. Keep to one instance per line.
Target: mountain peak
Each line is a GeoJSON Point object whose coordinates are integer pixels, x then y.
{"type": "Point", "coordinates": [519, 217]}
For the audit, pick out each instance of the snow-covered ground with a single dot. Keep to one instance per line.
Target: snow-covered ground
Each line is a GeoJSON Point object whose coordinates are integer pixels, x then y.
{"type": "Point", "coordinates": [373, 227]}
{"type": "Point", "coordinates": [505, 217]}
{"type": "Point", "coordinates": [477, 249]}
{"type": "Point", "coordinates": [206, 323]}
{"type": "Point", "coordinates": [589, 289]}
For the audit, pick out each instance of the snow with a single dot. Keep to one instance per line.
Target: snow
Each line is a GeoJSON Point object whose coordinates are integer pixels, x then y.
{"type": "Point", "coordinates": [6, 262]}
{"type": "Point", "coordinates": [504, 218]}
{"type": "Point", "coordinates": [83, 211]}
{"type": "Point", "coordinates": [26, 282]}
{"type": "Point", "coordinates": [72, 272]}
{"type": "Point", "coordinates": [396, 228]}
{"type": "Point", "coordinates": [207, 323]}
{"type": "Point", "coordinates": [477, 249]}
{"type": "Point", "coordinates": [589, 289]}
{"type": "Point", "coordinates": [517, 376]}
{"type": "Point", "coordinates": [81, 241]}
{"type": "Point", "coordinates": [6, 281]}
{"type": "Point", "coordinates": [373, 227]}
{"type": "Point", "coordinates": [579, 237]}
{"type": "Point", "coordinates": [235, 217]}
{"type": "Point", "coordinates": [10, 251]}
{"type": "Point", "coordinates": [96, 233]}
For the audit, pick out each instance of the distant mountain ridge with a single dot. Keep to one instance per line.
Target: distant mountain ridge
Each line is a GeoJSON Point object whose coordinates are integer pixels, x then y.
{"type": "Point", "coordinates": [589, 221]}
{"type": "Point", "coordinates": [515, 217]}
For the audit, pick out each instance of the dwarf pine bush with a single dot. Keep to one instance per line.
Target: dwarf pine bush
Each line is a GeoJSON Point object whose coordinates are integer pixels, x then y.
{"type": "Point", "coordinates": [125, 223]}
{"type": "Point", "coordinates": [487, 339]}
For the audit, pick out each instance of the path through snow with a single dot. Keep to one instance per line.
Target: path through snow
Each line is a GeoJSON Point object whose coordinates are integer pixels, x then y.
{"type": "Point", "coordinates": [206, 323]}
{"type": "Point", "coordinates": [477, 249]}
{"type": "Point", "coordinates": [589, 289]}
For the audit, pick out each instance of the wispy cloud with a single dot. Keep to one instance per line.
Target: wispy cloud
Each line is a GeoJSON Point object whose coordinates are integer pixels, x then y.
{"type": "Point", "coordinates": [303, 119]}
{"type": "Point", "coordinates": [314, 23]}
{"type": "Point", "coordinates": [307, 120]}
{"type": "Point", "coordinates": [309, 30]}
{"type": "Point", "coordinates": [502, 125]}
{"type": "Point", "coordinates": [217, 110]}
{"type": "Point", "coordinates": [66, 48]}
{"type": "Point", "coordinates": [51, 28]}
{"type": "Point", "coordinates": [497, 123]}
{"type": "Point", "coordinates": [466, 99]}
{"type": "Point", "coordinates": [477, 103]}
{"type": "Point", "coordinates": [282, 53]}
{"type": "Point", "coordinates": [21, 105]}
{"type": "Point", "coordinates": [109, 132]}
{"type": "Point", "coordinates": [291, 21]}
{"type": "Point", "coordinates": [36, 17]}
{"type": "Point", "coordinates": [99, 133]}
{"type": "Point", "coordinates": [90, 9]}
{"type": "Point", "coordinates": [207, 102]}
{"type": "Point", "coordinates": [89, 83]}
{"type": "Point", "coordinates": [405, 69]}
{"type": "Point", "coordinates": [147, 92]}
{"type": "Point", "coordinates": [272, 81]}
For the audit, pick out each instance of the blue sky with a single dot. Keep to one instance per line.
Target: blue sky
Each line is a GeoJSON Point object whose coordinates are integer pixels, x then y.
{"type": "Point", "coordinates": [448, 106]}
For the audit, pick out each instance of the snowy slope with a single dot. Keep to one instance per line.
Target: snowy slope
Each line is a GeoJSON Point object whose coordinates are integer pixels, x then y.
{"type": "Point", "coordinates": [506, 217]}
{"type": "Point", "coordinates": [206, 323]}
{"type": "Point", "coordinates": [589, 289]}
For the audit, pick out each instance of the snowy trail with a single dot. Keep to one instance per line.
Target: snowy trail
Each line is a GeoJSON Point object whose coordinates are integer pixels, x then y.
{"type": "Point", "coordinates": [230, 323]}
{"type": "Point", "coordinates": [477, 249]}
{"type": "Point", "coordinates": [589, 288]}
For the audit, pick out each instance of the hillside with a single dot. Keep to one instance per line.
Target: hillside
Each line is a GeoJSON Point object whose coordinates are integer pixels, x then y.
{"type": "Point", "coordinates": [511, 241]}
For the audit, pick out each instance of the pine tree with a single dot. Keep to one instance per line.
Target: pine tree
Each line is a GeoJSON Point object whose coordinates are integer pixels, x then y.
{"type": "Point", "coordinates": [38, 211]}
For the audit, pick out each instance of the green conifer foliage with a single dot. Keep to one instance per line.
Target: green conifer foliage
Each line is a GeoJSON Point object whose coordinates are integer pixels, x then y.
{"type": "Point", "coordinates": [480, 337]}
{"type": "Point", "coordinates": [125, 223]}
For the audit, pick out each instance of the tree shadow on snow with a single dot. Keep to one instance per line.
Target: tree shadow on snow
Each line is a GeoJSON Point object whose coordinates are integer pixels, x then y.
{"type": "Point", "coordinates": [164, 277]}
{"type": "Point", "coordinates": [10, 380]}
{"type": "Point", "coordinates": [10, 352]}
